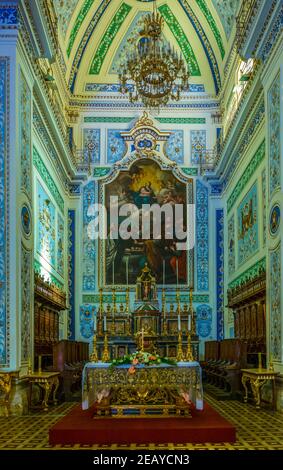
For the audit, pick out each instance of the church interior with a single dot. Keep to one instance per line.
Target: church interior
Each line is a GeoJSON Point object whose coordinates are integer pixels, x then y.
{"type": "Point", "coordinates": [141, 243]}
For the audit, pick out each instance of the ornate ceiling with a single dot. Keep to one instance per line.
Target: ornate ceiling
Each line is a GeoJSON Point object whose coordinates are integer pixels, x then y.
{"type": "Point", "coordinates": [95, 35]}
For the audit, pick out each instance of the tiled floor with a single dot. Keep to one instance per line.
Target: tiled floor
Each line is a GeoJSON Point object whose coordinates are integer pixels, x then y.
{"type": "Point", "coordinates": [256, 430]}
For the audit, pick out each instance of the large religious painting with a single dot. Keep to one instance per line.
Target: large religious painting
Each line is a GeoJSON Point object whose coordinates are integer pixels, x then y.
{"type": "Point", "coordinates": [248, 226]}
{"type": "Point", "coordinates": [145, 183]}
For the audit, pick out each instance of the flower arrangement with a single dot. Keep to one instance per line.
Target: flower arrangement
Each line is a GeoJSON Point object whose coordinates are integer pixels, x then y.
{"type": "Point", "coordinates": [141, 358]}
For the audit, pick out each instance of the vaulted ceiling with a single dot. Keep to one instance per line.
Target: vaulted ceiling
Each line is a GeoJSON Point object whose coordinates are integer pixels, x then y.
{"type": "Point", "coordinates": [95, 36]}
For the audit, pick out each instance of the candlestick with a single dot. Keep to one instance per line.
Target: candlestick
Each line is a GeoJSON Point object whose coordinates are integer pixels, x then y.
{"type": "Point", "coordinates": [164, 274]}
{"type": "Point", "coordinates": [179, 322]}
{"type": "Point", "coordinates": [29, 366]}
{"type": "Point", "coordinates": [94, 355]}
{"type": "Point", "coordinates": [105, 324]}
{"type": "Point", "coordinates": [189, 322]}
{"type": "Point", "coordinates": [127, 270]}
{"type": "Point", "coordinates": [105, 355]}
{"type": "Point", "coordinates": [180, 356]}
{"type": "Point", "coordinates": [113, 273]}
{"type": "Point", "coordinates": [39, 364]}
{"type": "Point", "coordinates": [189, 355]}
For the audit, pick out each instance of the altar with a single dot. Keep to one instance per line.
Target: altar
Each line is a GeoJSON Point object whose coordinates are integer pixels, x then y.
{"type": "Point", "coordinates": [154, 391]}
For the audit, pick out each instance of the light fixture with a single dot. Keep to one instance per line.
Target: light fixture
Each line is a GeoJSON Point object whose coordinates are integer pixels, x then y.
{"type": "Point", "coordinates": [158, 72]}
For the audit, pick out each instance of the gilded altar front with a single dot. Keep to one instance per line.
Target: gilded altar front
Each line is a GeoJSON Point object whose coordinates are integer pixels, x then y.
{"type": "Point", "coordinates": [155, 391]}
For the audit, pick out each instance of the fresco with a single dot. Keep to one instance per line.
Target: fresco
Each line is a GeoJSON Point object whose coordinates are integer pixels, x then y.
{"type": "Point", "coordinates": [144, 183]}
{"type": "Point", "coordinates": [46, 227]}
{"type": "Point", "coordinates": [248, 225]}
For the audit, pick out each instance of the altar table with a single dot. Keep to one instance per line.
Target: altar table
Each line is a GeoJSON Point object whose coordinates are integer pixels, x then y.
{"type": "Point", "coordinates": [162, 390]}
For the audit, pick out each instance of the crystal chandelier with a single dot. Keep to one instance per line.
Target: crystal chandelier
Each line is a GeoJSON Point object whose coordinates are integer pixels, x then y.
{"type": "Point", "coordinates": [158, 72]}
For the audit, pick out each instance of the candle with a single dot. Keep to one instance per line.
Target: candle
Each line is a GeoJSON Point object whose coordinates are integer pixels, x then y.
{"type": "Point", "coordinates": [105, 326]}
{"type": "Point", "coordinates": [189, 322]}
{"type": "Point", "coordinates": [113, 274]}
{"type": "Point", "coordinates": [127, 270]}
{"type": "Point", "coordinates": [177, 271]}
{"type": "Point", "coordinates": [179, 322]}
{"type": "Point", "coordinates": [163, 273]}
{"type": "Point", "coordinates": [39, 363]}
{"type": "Point", "coordinates": [94, 322]}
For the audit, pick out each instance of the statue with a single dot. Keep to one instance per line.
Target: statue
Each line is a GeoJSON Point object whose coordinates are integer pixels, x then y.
{"type": "Point", "coordinates": [146, 286]}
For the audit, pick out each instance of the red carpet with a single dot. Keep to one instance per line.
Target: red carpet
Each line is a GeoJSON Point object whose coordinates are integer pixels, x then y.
{"type": "Point", "coordinates": [78, 427]}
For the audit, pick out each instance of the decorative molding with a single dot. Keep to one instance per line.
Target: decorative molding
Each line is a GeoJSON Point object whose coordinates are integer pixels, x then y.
{"type": "Point", "coordinates": [39, 269]}
{"type": "Point", "coordinates": [84, 42]}
{"type": "Point", "coordinates": [220, 273]}
{"type": "Point", "coordinates": [227, 13]}
{"type": "Point", "coordinates": [121, 298]}
{"type": "Point", "coordinates": [190, 171]}
{"type": "Point", "coordinates": [275, 324]}
{"type": "Point", "coordinates": [126, 120]}
{"type": "Point", "coordinates": [264, 205]}
{"type": "Point", "coordinates": [181, 39]}
{"type": "Point", "coordinates": [246, 176]}
{"type": "Point", "coordinates": [79, 21]}
{"type": "Point", "coordinates": [25, 137]}
{"type": "Point", "coordinates": [174, 147]}
{"type": "Point", "coordinates": [26, 304]}
{"type": "Point", "coordinates": [249, 274]}
{"type": "Point", "coordinates": [91, 145]}
{"type": "Point", "coordinates": [87, 314]}
{"type": "Point", "coordinates": [198, 144]}
{"type": "Point", "coordinates": [204, 320]}
{"type": "Point", "coordinates": [80, 103]}
{"type": "Point", "coordinates": [89, 250]}
{"type": "Point", "coordinates": [47, 178]}
{"type": "Point", "coordinates": [116, 146]}
{"type": "Point", "coordinates": [4, 211]}
{"type": "Point", "coordinates": [231, 246]}
{"type": "Point", "coordinates": [205, 43]}
{"type": "Point", "coordinates": [274, 34]}
{"type": "Point", "coordinates": [180, 120]}
{"type": "Point", "coordinates": [212, 24]}
{"type": "Point", "coordinates": [101, 172]}
{"type": "Point", "coordinates": [115, 88]}
{"type": "Point", "coordinates": [202, 236]}
{"type": "Point", "coordinates": [60, 245]}
{"type": "Point", "coordinates": [108, 38]}
{"type": "Point", "coordinates": [49, 146]}
{"type": "Point", "coordinates": [71, 272]}
{"type": "Point", "coordinates": [255, 121]}
{"type": "Point", "coordinates": [65, 10]}
{"type": "Point", "coordinates": [8, 17]}
{"type": "Point", "coordinates": [274, 140]}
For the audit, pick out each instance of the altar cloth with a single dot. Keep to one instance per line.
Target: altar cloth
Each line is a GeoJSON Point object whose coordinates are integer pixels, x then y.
{"type": "Point", "coordinates": [98, 378]}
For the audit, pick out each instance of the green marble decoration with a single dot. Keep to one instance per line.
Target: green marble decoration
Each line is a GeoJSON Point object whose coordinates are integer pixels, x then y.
{"type": "Point", "coordinates": [212, 24]}
{"type": "Point", "coordinates": [249, 274]}
{"type": "Point", "coordinates": [108, 38]}
{"type": "Point", "coordinates": [181, 39]}
{"type": "Point", "coordinates": [47, 178]}
{"type": "Point", "coordinates": [79, 21]}
{"type": "Point", "coordinates": [245, 178]}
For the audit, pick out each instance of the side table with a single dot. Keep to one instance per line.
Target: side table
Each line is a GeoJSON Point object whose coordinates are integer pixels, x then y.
{"type": "Point", "coordinates": [47, 381]}
{"type": "Point", "coordinates": [257, 378]}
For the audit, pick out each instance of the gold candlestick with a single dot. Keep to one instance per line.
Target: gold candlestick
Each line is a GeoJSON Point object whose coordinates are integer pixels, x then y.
{"type": "Point", "coordinates": [94, 355]}
{"type": "Point", "coordinates": [271, 367]}
{"type": "Point", "coordinates": [180, 356]}
{"type": "Point", "coordinates": [39, 365]}
{"type": "Point", "coordinates": [165, 331]}
{"type": "Point", "coordinates": [105, 355]}
{"type": "Point", "coordinates": [127, 300]}
{"type": "Point", "coordinates": [189, 355]}
{"type": "Point", "coordinates": [29, 366]}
